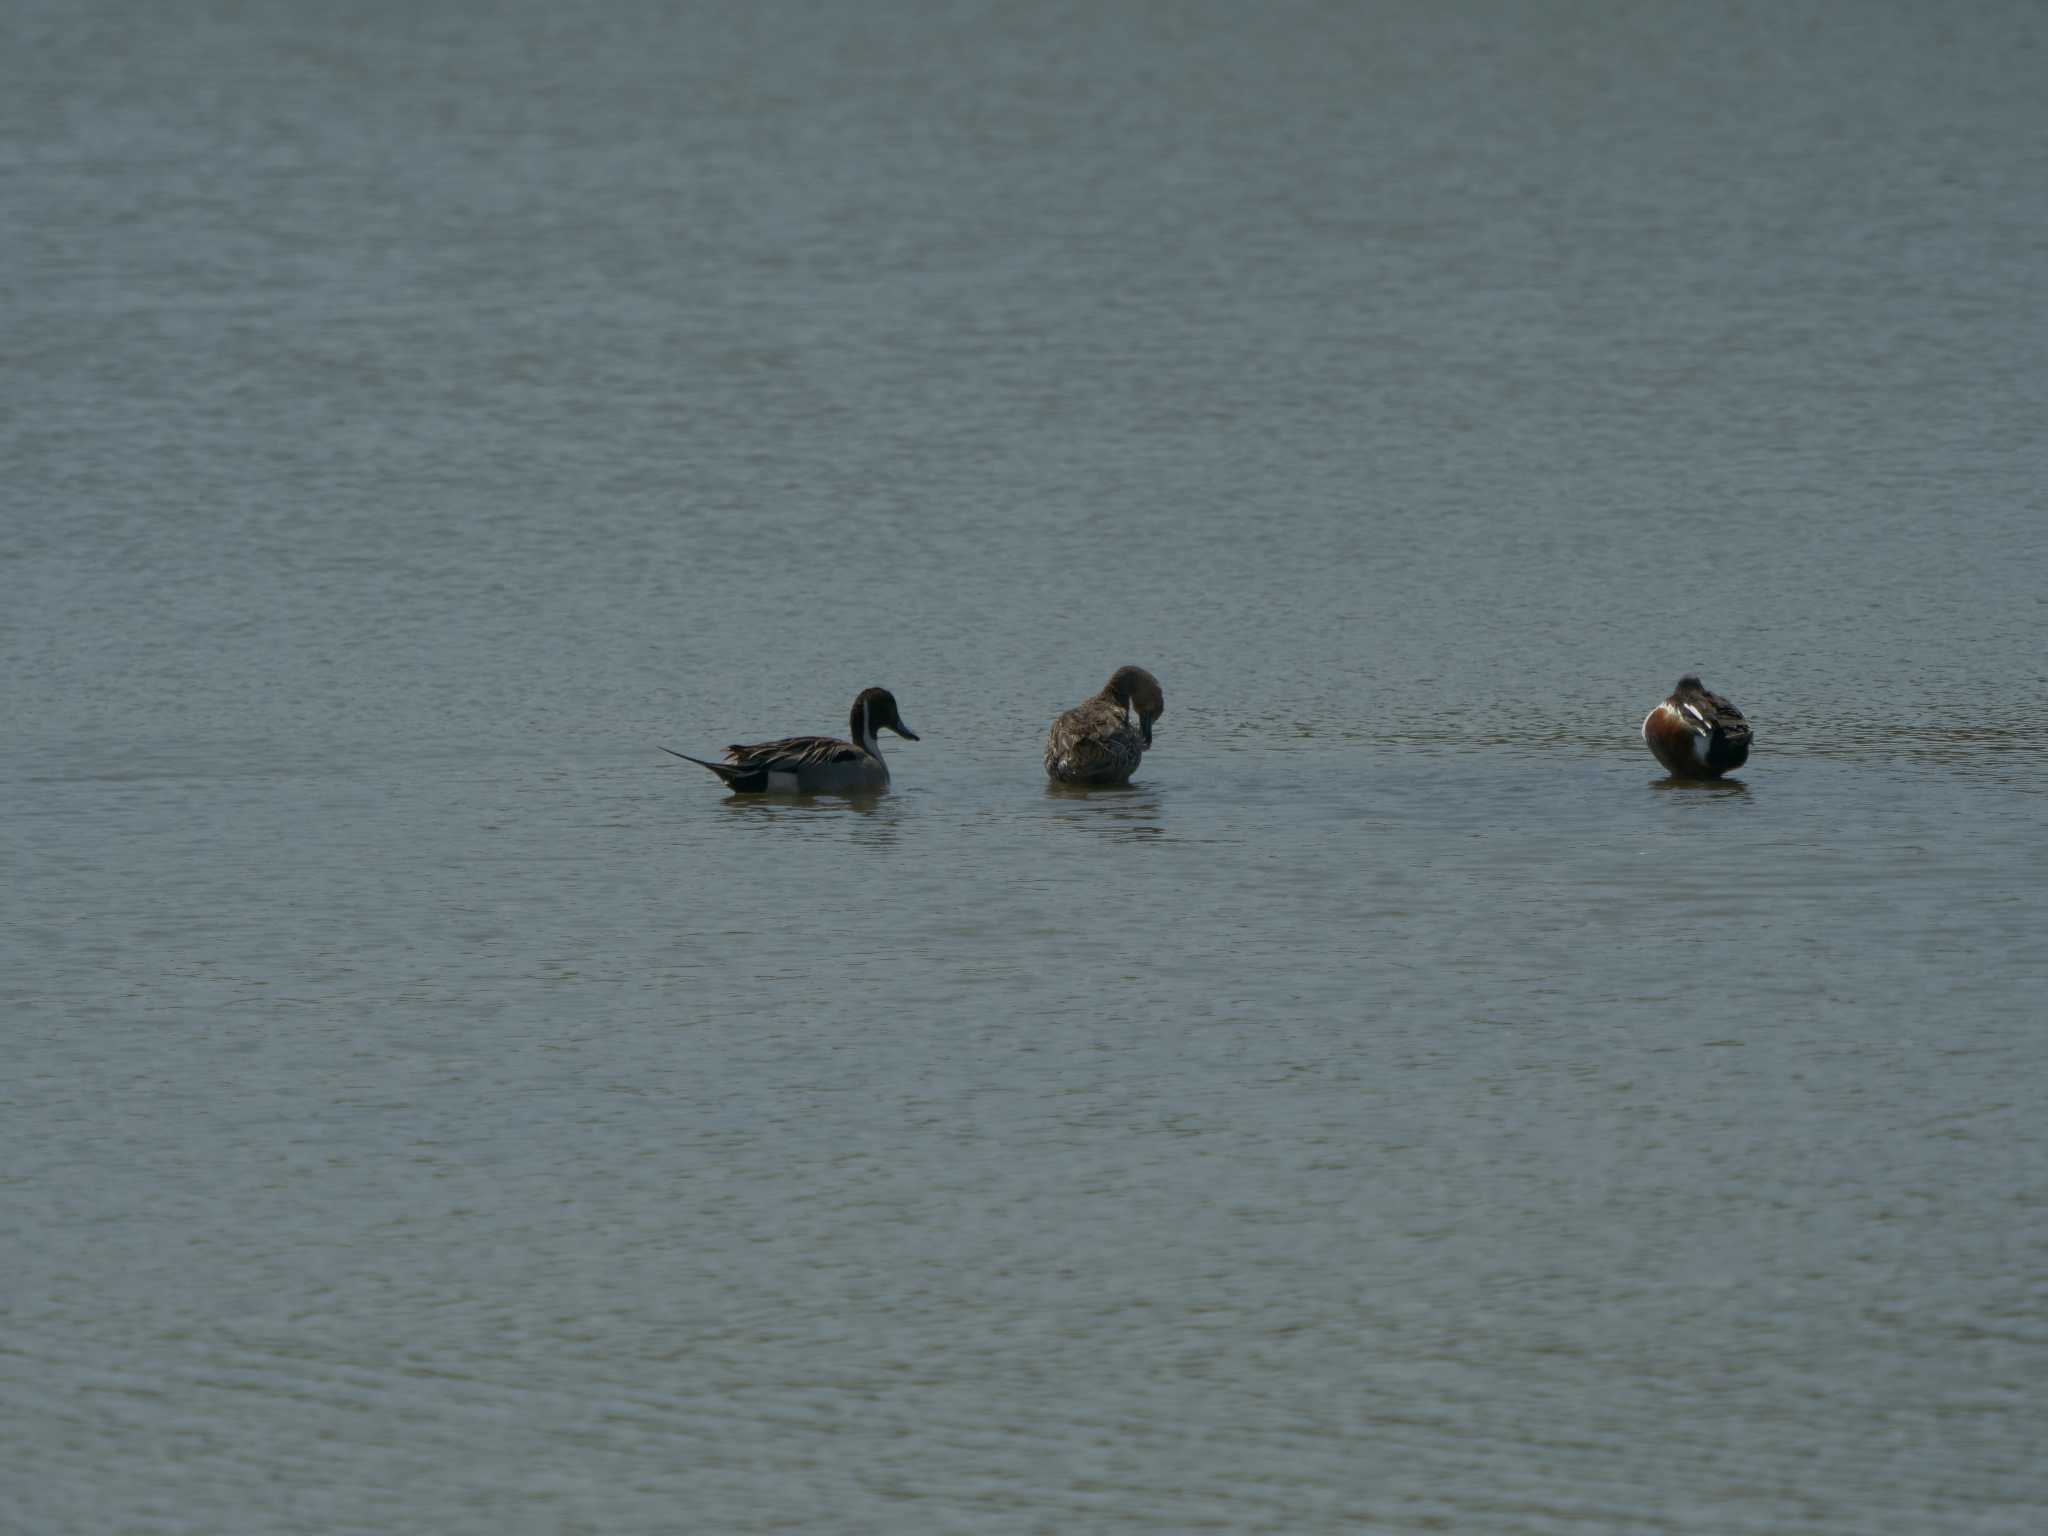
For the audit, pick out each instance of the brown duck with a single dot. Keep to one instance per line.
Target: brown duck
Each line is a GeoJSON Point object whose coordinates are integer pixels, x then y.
{"type": "Point", "coordinates": [1096, 742]}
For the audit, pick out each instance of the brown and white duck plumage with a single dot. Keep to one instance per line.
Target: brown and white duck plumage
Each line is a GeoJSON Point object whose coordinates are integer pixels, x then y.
{"type": "Point", "coordinates": [1102, 739]}
{"type": "Point", "coordinates": [1696, 734]}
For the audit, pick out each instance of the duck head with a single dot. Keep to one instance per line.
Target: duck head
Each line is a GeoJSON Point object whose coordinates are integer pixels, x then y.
{"type": "Point", "coordinates": [875, 710]}
{"type": "Point", "coordinates": [1138, 690]}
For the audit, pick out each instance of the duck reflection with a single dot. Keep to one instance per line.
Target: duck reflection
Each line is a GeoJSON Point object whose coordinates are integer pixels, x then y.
{"type": "Point", "coordinates": [875, 819]}
{"type": "Point", "coordinates": [1124, 812]}
{"type": "Point", "coordinates": [1708, 789]}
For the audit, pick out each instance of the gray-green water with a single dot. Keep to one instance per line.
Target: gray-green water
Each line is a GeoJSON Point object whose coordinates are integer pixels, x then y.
{"type": "Point", "coordinates": [426, 1107]}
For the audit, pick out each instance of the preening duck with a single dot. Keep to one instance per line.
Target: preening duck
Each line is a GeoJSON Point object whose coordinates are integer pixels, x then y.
{"type": "Point", "coordinates": [1696, 734]}
{"type": "Point", "coordinates": [1096, 741]}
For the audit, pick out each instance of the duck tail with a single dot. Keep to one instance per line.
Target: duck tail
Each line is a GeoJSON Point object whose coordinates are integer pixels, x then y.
{"type": "Point", "coordinates": [735, 776]}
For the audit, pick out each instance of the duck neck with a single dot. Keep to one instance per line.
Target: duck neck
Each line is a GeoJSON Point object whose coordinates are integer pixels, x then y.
{"type": "Point", "coordinates": [862, 727]}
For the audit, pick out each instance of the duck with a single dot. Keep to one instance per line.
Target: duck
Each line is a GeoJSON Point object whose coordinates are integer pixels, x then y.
{"type": "Point", "coordinates": [1696, 734]}
{"type": "Point", "coordinates": [1096, 742]}
{"type": "Point", "coordinates": [815, 764]}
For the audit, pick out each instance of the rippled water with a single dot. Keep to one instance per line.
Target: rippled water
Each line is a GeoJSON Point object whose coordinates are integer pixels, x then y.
{"type": "Point", "coordinates": [428, 1107]}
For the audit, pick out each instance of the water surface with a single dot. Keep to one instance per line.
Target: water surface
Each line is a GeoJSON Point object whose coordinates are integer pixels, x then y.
{"type": "Point", "coordinates": [428, 1107]}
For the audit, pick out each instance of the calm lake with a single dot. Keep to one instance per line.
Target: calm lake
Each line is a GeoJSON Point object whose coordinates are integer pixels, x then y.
{"type": "Point", "coordinates": [427, 1107]}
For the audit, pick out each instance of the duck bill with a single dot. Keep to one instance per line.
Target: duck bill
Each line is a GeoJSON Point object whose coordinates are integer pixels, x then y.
{"type": "Point", "coordinates": [1145, 729]}
{"type": "Point", "coordinates": [903, 730]}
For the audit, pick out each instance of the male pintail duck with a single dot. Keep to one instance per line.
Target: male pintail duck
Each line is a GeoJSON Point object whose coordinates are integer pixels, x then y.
{"type": "Point", "coordinates": [1696, 734]}
{"type": "Point", "coordinates": [815, 764]}
{"type": "Point", "coordinates": [1095, 742]}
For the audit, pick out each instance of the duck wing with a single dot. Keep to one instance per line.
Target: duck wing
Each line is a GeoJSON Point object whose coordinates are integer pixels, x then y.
{"type": "Point", "coordinates": [1091, 740]}
{"type": "Point", "coordinates": [792, 753]}
{"type": "Point", "coordinates": [1713, 712]}
{"type": "Point", "coordinates": [1716, 721]}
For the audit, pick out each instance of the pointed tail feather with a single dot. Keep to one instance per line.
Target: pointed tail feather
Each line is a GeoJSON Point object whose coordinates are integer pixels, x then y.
{"type": "Point", "coordinates": [735, 776]}
{"type": "Point", "coordinates": [721, 769]}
